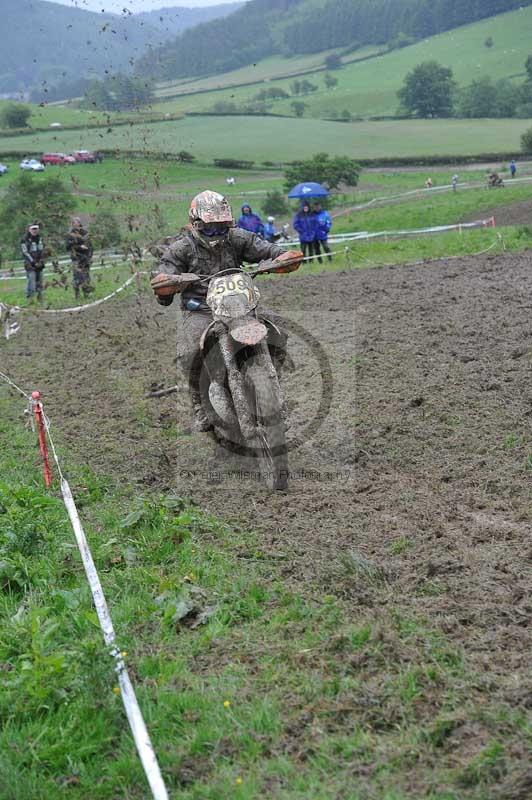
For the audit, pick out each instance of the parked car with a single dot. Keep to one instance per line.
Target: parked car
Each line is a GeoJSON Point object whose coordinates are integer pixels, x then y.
{"type": "Point", "coordinates": [3, 169]}
{"type": "Point", "coordinates": [32, 165]}
{"type": "Point", "coordinates": [85, 156]}
{"type": "Point", "coordinates": [57, 159]}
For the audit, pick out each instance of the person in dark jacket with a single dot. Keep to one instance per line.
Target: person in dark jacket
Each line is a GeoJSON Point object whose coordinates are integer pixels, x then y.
{"type": "Point", "coordinates": [323, 226]}
{"type": "Point", "coordinates": [80, 248]}
{"type": "Point", "coordinates": [249, 221]}
{"type": "Point", "coordinates": [32, 247]}
{"type": "Point", "coordinates": [305, 224]}
{"type": "Point", "coordinates": [208, 244]}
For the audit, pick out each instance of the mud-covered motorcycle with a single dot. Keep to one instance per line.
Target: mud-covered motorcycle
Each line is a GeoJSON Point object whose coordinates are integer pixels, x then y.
{"type": "Point", "coordinates": [239, 381]}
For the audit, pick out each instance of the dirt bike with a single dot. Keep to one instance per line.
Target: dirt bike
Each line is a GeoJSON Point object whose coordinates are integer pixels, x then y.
{"type": "Point", "coordinates": [239, 381]}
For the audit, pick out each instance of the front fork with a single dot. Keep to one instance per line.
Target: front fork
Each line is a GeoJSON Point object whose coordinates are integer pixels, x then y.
{"type": "Point", "coordinates": [237, 384]}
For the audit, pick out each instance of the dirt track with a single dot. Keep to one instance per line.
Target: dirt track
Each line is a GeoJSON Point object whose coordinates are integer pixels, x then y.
{"type": "Point", "coordinates": [420, 466]}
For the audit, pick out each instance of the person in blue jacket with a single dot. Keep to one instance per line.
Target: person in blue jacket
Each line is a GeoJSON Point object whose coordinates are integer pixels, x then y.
{"type": "Point", "coordinates": [270, 231]}
{"type": "Point", "coordinates": [305, 223]}
{"type": "Point", "coordinates": [250, 221]}
{"type": "Point", "coordinates": [323, 226]}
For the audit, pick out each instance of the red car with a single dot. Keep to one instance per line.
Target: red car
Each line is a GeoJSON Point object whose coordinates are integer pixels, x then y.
{"type": "Point", "coordinates": [57, 158]}
{"type": "Point", "coordinates": [85, 157]}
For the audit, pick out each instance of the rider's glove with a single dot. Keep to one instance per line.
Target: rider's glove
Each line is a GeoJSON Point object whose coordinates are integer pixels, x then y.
{"type": "Point", "coordinates": [294, 259]}
{"type": "Point", "coordinates": [167, 285]}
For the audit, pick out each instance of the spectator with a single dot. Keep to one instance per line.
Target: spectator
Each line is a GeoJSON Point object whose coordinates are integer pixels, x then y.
{"type": "Point", "coordinates": [230, 181]}
{"type": "Point", "coordinates": [305, 224]}
{"type": "Point", "coordinates": [323, 226]}
{"type": "Point", "coordinates": [80, 248]}
{"type": "Point", "coordinates": [454, 182]}
{"type": "Point", "coordinates": [513, 168]}
{"type": "Point", "coordinates": [428, 183]}
{"type": "Point", "coordinates": [250, 222]}
{"type": "Point", "coordinates": [32, 247]}
{"type": "Point", "coordinates": [270, 231]}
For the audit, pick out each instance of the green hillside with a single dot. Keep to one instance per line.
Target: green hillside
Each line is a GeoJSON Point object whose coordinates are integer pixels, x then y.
{"type": "Point", "coordinates": [274, 139]}
{"type": "Point", "coordinates": [369, 88]}
{"type": "Point", "coordinates": [283, 27]}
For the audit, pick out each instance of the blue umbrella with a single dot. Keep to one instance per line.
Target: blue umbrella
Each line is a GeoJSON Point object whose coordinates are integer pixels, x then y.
{"type": "Point", "coordinates": [304, 190]}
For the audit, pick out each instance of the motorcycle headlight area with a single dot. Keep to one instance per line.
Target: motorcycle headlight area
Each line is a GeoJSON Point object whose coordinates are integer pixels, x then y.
{"type": "Point", "coordinates": [232, 296]}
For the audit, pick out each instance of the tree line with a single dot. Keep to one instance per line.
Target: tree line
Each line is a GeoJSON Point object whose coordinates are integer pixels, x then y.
{"type": "Point", "coordinates": [430, 90]}
{"type": "Point", "coordinates": [262, 28]}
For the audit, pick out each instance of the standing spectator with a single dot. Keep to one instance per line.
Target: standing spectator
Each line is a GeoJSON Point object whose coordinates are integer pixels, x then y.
{"type": "Point", "coordinates": [454, 182]}
{"type": "Point", "coordinates": [250, 221]}
{"type": "Point", "coordinates": [80, 248]}
{"type": "Point", "coordinates": [305, 224]}
{"type": "Point", "coordinates": [323, 226]}
{"type": "Point", "coordinates": [428, 183]}
{"type": "Point", "coordinates": [270, 231]}
{"type": "Point", "coordinates": [32, 247]}
{"type": "Point", "coordinates": [513, 168]}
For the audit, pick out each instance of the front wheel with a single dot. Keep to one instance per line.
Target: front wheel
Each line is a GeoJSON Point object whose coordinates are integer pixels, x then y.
{"type": "Point", "coordinates": [270, 439]}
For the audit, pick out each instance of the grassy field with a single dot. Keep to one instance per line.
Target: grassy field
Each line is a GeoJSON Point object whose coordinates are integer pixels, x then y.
{"type": "Point", "coordinates": [369, 88]}
{"type": "Point", "coordinates": [272, 139]}
{"type": "Point", "coordinates": [282, 692]}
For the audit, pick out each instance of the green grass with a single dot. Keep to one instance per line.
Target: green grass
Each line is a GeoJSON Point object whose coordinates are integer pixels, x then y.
{"type": "Point", "coordinates": [279, 693]}
{"type": "Point", "coordinates": [369, 88]}
{"type": "Point", "coordinates": [280, 140]}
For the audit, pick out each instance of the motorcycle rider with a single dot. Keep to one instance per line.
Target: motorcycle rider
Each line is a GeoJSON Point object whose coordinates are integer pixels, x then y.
{"type": "Point", "coordinates": [208, 244]}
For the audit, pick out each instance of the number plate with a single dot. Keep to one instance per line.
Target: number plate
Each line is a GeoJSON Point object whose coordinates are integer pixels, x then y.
{"type": "Point", "coordinates": [227, 286]}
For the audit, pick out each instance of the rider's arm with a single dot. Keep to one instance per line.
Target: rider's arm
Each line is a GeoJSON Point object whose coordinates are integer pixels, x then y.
{"type": "Point", "coordinates": [254, 249]}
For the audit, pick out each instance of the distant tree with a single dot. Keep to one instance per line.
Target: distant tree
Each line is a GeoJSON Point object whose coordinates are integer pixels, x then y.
{"type": "Point", "coordinates": [45, 199]}
{"type": "Point", "coordinates": [298, 107]}
{"type": "Point", "coordinates": [346, 115]}
{"type": "Point", "coordinates": [331, 172]}
{"type": "Point", "coordinates": [306, 87]}
{"type": "Point", "coordinates": [400, 40]}
{"type": "Point", "coordinates": [275, 204]}
{"type": "Point", "coordinates": [271, 94]}
{"type": "Point", "coordinates": [526, 141]}
{"type": "Point", "coordinates": [330, 81]}
{"type": "Point", "coordinates": [15, 115]}
{"type": "Point", "coordinates": [428, 90]}
{"type": "Point", "coordinates": [486, 98]}
{"type": "Point", "coordinates": [224, 107]}
{"type": "Point", "coordinates": [489, 42]}
{"type": "Point", "coordinates": [97, 97]}
{"type": "Point", "coordinates": [295, 87]}
{"type": "Point", "coordinates": [185, 157]}
{"type": "Point", "coordinates": [105, 229]}
{"type": "Point", "coordinates": [333, 61]}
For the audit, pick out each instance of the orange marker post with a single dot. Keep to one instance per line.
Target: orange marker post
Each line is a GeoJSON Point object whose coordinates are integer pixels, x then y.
{"type": "Point", "coordinates": [39, 417]}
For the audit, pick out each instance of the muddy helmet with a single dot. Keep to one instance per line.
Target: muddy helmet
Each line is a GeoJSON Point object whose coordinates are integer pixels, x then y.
{"type": "Point", "coordinates": [208, 208]}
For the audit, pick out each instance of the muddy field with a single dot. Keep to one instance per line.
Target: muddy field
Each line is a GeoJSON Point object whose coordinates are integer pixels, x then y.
{"type": "Point", "coordinates": [420, 467]}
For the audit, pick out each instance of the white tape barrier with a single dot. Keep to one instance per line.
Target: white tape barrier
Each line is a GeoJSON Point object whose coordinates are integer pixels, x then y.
{"type": "Point", "coordinates": [358, 235]}
{"type": "Point", "coordinates": [88, 305]}
{"type": "Point", "coordinates": [133, 712]}
{"type": "Point", "coordinates": [420, 193]}
{"type": "Point", "coordinates": [131, 706]}
{"type": "Point", "coordinates": [98, 256]}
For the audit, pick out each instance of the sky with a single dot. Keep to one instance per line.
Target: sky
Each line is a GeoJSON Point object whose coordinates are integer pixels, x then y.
{"type": "Point", "coordinates": [117, 6]}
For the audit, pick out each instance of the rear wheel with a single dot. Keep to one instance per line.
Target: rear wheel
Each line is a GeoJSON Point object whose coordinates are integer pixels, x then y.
{"type": "Point", "coordinates": [270, 441]}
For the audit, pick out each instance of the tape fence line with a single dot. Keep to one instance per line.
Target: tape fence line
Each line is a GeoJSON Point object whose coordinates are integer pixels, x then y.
{"type": "Point", "coordinates": [134, 715]}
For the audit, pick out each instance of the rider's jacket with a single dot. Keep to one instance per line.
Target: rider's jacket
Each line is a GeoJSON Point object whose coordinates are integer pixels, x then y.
{"type": "Point", "coordinates": [191, 252]}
